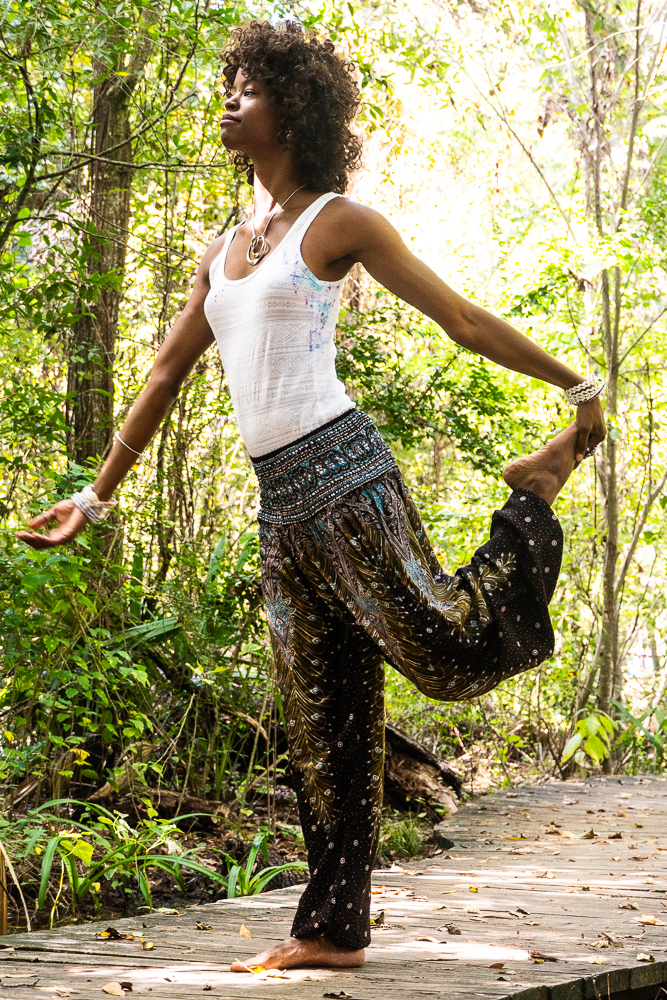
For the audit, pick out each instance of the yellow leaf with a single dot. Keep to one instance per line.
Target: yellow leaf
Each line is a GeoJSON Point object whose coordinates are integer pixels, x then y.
{"type": "Point", "coordinates": [9, 736]}
{"type": "Point", "coordinates": [649, 918]}
{"type": "Point", "coordinates": [244, 931]}
{"type": "Point", "coordinates": [473, 888]}
{"type": "Point", "coordinates": [115, 989]}
{"type": "Point", "coordinates": [147, 945]}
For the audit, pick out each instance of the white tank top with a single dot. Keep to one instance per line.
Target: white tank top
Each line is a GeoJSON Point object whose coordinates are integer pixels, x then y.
{"type": "Point", "coordinates": [275, 331]}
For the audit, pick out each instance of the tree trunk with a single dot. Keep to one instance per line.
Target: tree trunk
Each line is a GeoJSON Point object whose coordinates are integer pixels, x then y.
{"type": "Point", "coordinates": [90, 377]}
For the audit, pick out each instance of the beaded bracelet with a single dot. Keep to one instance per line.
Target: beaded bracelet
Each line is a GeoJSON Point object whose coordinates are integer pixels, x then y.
{"type": "Point", "coordinates": [91, 506]}
{"type": "Point", "coordinates": [584, 391]}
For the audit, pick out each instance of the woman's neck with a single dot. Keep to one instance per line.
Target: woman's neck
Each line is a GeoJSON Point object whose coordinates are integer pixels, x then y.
{"type": "Point", "coordinates": [273, 183]}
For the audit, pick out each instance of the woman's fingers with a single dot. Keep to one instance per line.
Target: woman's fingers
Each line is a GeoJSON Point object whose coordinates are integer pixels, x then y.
{"type": "Point", "coordinates": [583, 433]}
{"type": "Point", "coordinates": [70, 522]}
{"type": "Point", "coordinates": [43, 518]}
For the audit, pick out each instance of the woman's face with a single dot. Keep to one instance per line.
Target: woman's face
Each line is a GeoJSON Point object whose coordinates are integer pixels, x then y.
{"type": "Point", "coordinates": [250, 123]}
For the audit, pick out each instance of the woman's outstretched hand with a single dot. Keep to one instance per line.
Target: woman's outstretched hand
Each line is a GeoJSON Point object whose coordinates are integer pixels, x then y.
{"type": "Point", "coordinates": [591, 427]}
{"type": "Point", "coordinates": [69, 523]}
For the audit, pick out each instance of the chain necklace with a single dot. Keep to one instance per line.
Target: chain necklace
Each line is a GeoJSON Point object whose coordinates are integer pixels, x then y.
{"type": "Point", "coordinates": [259, 246]}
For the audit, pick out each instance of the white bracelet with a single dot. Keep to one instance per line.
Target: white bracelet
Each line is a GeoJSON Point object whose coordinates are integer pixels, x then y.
{"type": "Point", "coordinates": [91, 506]}
{"type": "Point", "coordinates": [133, 450]}
{"type": "Point", "coordinates": [584, 391]}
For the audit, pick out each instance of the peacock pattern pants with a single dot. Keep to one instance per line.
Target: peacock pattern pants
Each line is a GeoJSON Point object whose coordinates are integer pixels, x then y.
{"type": "Point", "coordinates": [351, 582]}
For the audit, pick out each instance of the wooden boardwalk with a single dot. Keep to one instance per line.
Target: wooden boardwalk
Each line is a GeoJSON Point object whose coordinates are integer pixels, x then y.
{"type": "Point", "coordinates": [552, 892]}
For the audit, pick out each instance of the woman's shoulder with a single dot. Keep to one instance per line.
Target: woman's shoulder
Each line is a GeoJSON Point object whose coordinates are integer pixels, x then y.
{"type": "Point", "coordinates": [212, 253]}
{"type": "Point", "coordinates": [345, 213]}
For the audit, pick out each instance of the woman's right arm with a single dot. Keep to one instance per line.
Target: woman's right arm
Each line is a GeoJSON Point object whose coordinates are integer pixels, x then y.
{"type": "Point", "coordinates": [188, 339]}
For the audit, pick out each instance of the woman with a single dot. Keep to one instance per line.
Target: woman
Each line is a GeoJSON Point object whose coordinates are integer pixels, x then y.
{"type": "Point", "coordinates": [349, 577]}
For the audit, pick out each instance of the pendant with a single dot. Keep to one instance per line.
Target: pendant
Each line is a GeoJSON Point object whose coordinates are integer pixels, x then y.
{"type": "Point", "coordinates": [258, 248]}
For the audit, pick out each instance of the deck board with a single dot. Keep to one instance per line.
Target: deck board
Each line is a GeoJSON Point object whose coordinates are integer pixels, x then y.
{"type": "Point", "coordinates": [519, 879]}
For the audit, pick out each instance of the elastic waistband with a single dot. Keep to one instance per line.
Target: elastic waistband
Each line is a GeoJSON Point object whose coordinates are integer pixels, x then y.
{"type": "Point", "coordinates": [302, 478]}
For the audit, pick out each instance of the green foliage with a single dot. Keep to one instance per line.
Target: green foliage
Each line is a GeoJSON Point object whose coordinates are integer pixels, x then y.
{"type": "Point", "coordinates": [402, 838]}
{"type": "Point", "coordinates": [243, 880]}
{"type": "Point", "coordinates": [592, 739]}
{"type": "Point", "coordinates": [102, 847]}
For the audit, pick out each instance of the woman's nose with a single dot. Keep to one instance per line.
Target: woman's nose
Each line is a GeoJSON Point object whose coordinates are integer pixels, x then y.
{"type": "Point", "coordinates": [231, 102]}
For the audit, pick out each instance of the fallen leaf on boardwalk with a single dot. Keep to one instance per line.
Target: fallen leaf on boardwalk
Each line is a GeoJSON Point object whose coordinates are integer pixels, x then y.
{"type": "Point", "coordinates": [522, 850]}
{"type": "Point", "coordinates": [532, 923]}
{"type": "Point", "coordinates": [244, 931]}
{"type": "Point", "coordinates": [424, 938]}
{"type": "Point", "coordinates": [115, 989]}
{"type": "Point", "coordinates": [648, 881]}
{"type": "Point", "coordinates": [342, 995]}
{"type": "Point", "coordinates": [396, 869]}
{"type": "Point", "coordinates": [147, 945]}
{"type": "Point", "coordinates": [595, 961]}
{"type": "Point", "coordinates": [616, 836]}
{"type": "Point", "coordinates": [201, 926]}
{"type": "Point", "coordinates": [170, 979]}
{"type": "Point", "coordinates": [168, 910]}
{"type": "Point", "coordinates": [625, 795]}
{"type": "Point", "coordinates": [628, 906]}
{"type": "Point", "coordinates": [276, 974]}
{"type": "Point", "coordinates": [643, 957]}
{"type": "Point", "coordinates": [473, 888]}
{"type": "Point", "coordinates": [188, 951]}
{"type": "Point", "coordinates": [207, 986]}
{"type": "Point", "coordinates": [448, 892]}
{"type": "Point", "coordinates": [497, 965]}
{"type": "Point", "coordinates": [615, 859]}
{"type": "Point", "coordinates": [114, 935]}
{"type": "Point", "coordinates": [520, 837]}
{"type": "Point", "coordinates": [590, 835]}
{"type": "Point", "coordinates": [543, 957]}
{"type": "Point", "coordinates": [378, 918]}
{"type": "Point", "coordinates": [547, 875]}
{"type": "Point", "coordinates": [649, 918]}
{"type": "Point", "coordinates": [639, 857]}
{"type": "Point", "coordinates": [473, 909]}
{"type": "Point", "coordinates": [452, 929]}
{"type": "Point", "coordinates": [520, 909]}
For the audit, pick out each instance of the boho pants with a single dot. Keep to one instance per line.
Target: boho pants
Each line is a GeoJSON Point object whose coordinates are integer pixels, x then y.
{"type": "Point", "coordinates": [351, 581]}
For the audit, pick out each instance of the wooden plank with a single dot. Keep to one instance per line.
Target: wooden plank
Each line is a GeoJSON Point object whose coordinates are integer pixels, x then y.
{"type": "Point", "coordinates": [559, 897]}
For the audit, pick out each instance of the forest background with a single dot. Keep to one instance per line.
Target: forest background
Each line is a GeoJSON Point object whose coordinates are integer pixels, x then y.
{"type": "Point", "coordinates": [520, 149]}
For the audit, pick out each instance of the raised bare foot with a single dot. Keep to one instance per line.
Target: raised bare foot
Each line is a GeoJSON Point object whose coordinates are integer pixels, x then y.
{"type": "Point", "coordinates": [546, 470]}
{"type": "Point", "coordinates": [299, 953]}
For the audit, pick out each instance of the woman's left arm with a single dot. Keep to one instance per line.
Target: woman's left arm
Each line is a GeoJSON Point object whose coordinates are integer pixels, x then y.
{"type": "Point", "coordinates": [381, 250]}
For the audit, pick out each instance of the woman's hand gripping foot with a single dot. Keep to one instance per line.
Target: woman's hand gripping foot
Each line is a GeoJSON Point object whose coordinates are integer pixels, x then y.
{"type": "Point", "coordinates": [546, 470]}
{"type": "Point", "coordinates": [300, 953]}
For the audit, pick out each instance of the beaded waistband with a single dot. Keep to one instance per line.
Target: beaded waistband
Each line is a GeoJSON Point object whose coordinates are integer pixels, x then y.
{"type": "Point", "coordinates": [306, 476]}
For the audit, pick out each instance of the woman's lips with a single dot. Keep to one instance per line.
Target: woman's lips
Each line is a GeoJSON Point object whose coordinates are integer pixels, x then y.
{"type": "Point", "coordinates": [227, 119]}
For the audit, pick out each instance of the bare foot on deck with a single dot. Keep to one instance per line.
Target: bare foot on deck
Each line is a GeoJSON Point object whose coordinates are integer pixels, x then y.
{"type": "Point", "coordinates": [546, 470]}
{"type": "Point", "coordinates": [299, 953]}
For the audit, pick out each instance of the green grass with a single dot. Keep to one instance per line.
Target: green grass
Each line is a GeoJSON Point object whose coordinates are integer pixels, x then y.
{"type": "Point", "coordinates": [401, 838]}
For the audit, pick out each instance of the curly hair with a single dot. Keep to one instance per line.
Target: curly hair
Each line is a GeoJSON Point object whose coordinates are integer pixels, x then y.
{"type": "Point", "coordinates": [313, 89]}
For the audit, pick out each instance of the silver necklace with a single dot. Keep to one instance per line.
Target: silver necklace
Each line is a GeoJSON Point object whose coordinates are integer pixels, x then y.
{"type": "Point", "coordinates": [259, 246]}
